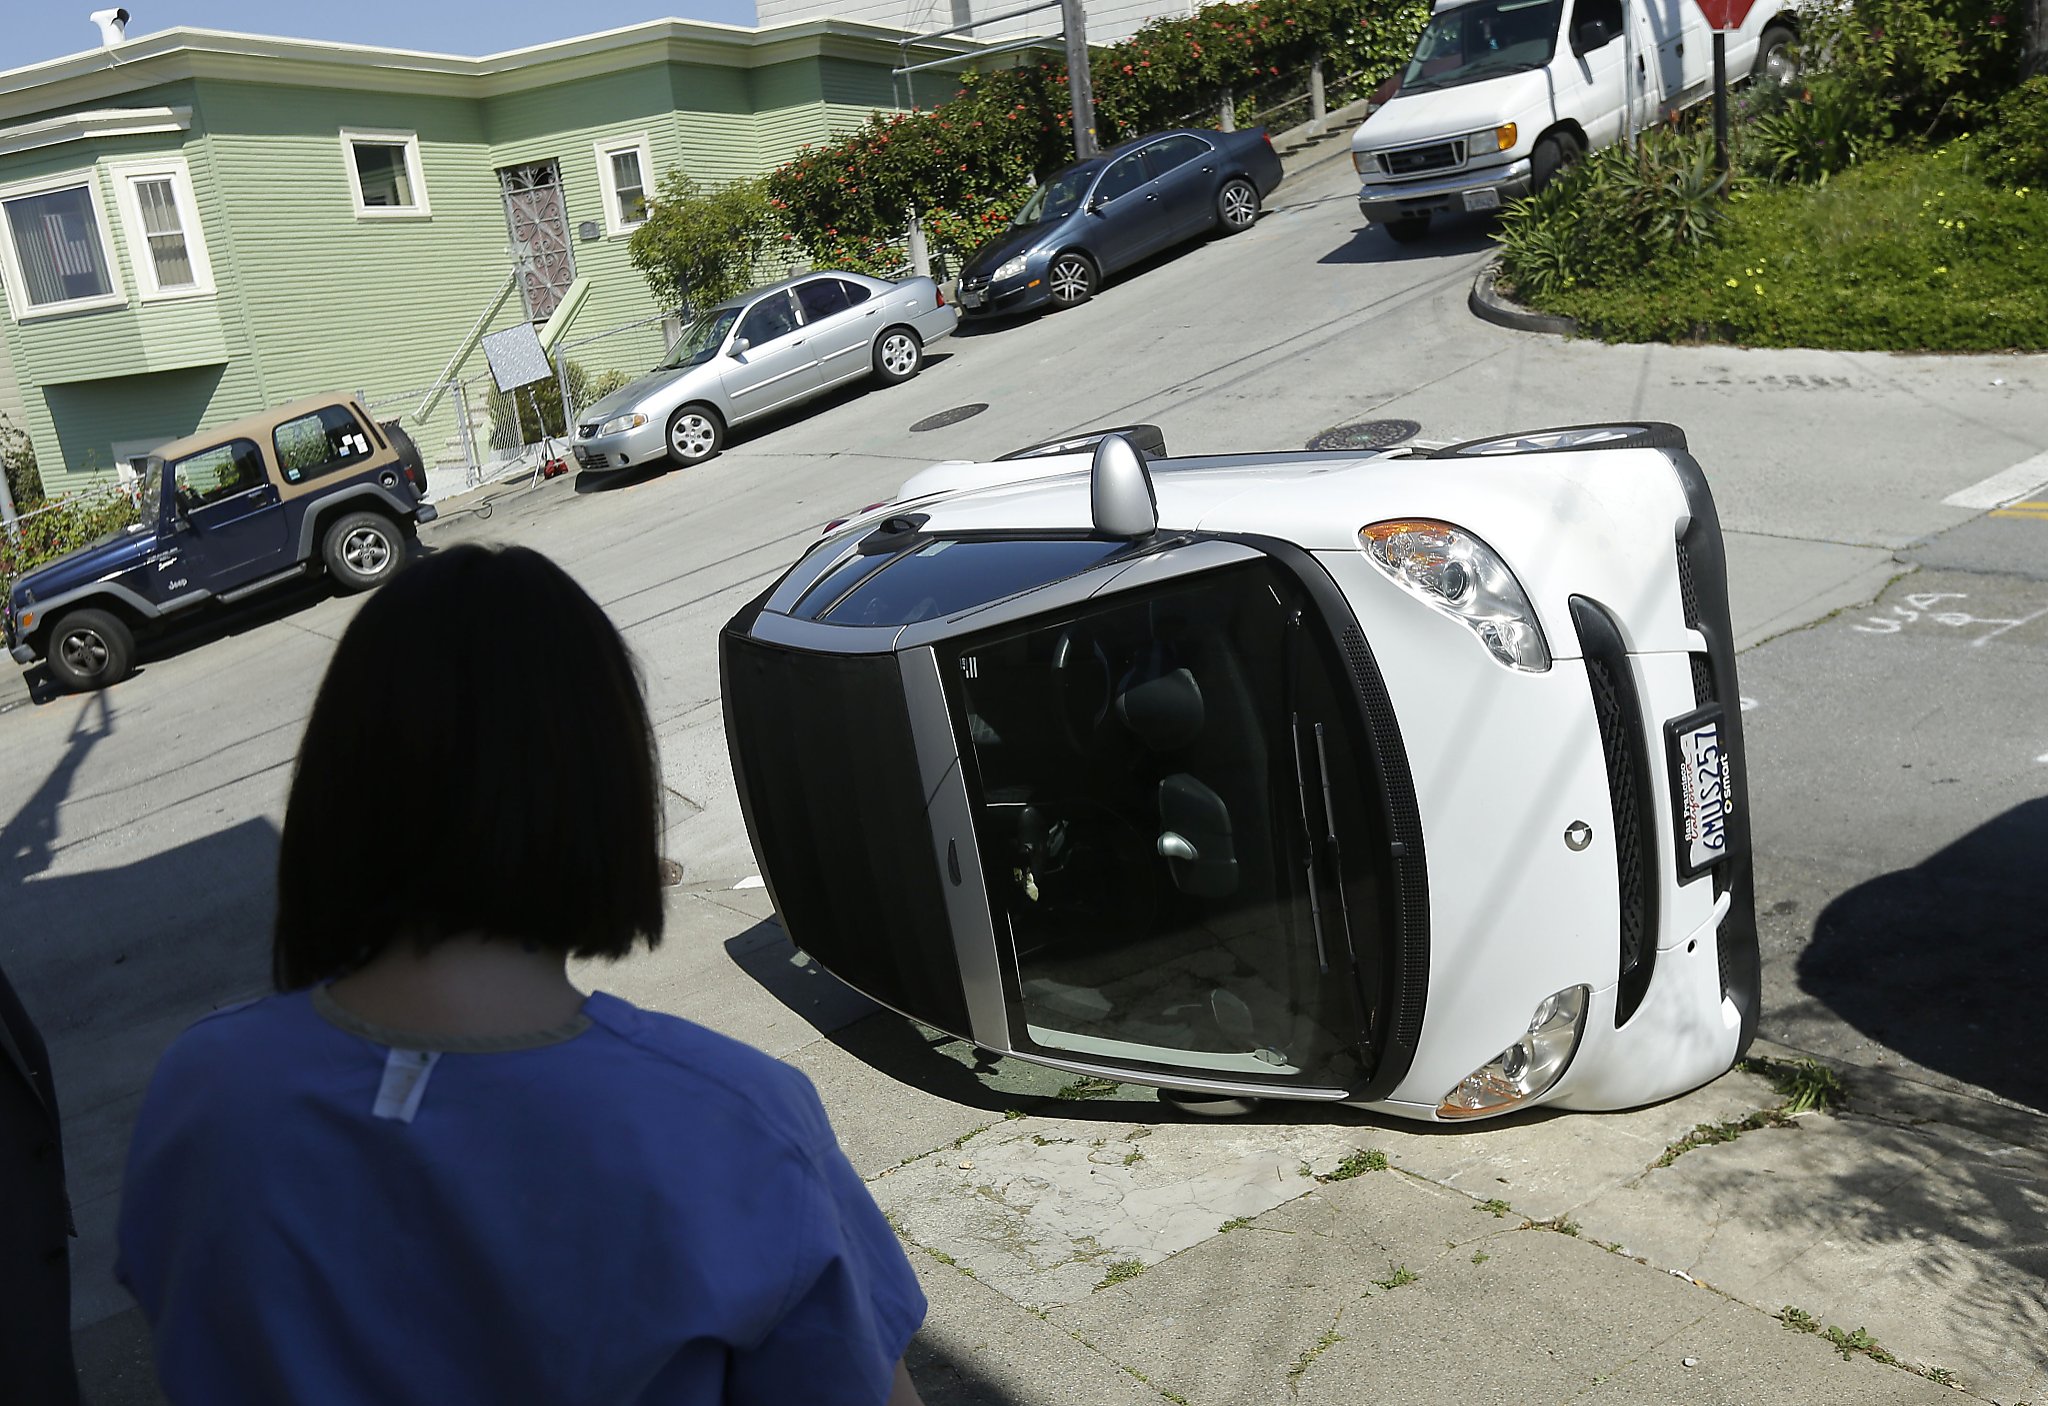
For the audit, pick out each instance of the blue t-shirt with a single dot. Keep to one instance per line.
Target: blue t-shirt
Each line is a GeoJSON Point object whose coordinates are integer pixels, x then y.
{"type": "Point", "coordinates": [640, 1211]}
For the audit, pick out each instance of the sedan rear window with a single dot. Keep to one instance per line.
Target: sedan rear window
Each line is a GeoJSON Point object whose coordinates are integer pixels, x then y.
{"type": "Point", "coordinates": [945, 576]}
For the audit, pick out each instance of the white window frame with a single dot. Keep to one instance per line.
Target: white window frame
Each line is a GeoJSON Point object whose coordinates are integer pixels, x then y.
{"type": "Point", "coordinates": [414, 173]}
{"type": "Point", "coordinates": [10, 262]}
{"type": "Point", "coordinates": [614, 226]}
{"type": "Point", "coordinates": [127, 174]}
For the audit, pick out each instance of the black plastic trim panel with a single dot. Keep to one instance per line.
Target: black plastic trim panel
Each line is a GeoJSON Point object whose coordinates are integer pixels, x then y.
{"type": "Point", "coordinates": [1632, 798]}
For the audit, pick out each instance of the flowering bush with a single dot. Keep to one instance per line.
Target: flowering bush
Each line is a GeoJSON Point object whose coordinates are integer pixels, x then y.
{"type": "Point", "coordinates": [966, 165]}
{"type": "Point", "coordinates": [2016, 144]}
{"type": "Point", "coordinates": [63, 526]}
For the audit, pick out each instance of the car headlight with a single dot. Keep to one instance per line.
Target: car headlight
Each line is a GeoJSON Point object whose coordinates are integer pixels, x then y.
{"type": "Point", "coordinates": [1011, 268]}
{"type": "Point", "coordinates": [1491, 139]}
{"type": "Point", "coordinates": [1361, 162]}
{"type": "Point", "coordinates": [1464, 578]}
{"type": "Point", "coordinates": [1530, 1066]}
{"type": "Point", "coordinates": [618, 424]}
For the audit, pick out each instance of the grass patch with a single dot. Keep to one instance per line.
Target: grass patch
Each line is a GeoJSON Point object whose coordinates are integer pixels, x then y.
{"type": "Point", "coordinates": [1330, 1338]}
{"type": "Point", "coordinates": [1495, 1205]}
{"type": "Point", "coordinates": [1397, 1275]}
{"type": "Point", "coordinates": [1911, 251]}
{"type": "Point", "coordinates": [1806, 1085]}
{"type": "Point", "coordinates": [1357, 1163]}
{"type": "Point", "coordinates": [1480, 1257]}
{"type": "Point", "coordinates": [1088, 1086]}
{"type": "Point", "coordinates": [1563, 1225]}
{"type": "Point", "coordinates": [1117, 1271]}
{"type": "Point", "coordinates": [1234, 1223]}
{"type": "Point", "coordinates": [1134, 1157]}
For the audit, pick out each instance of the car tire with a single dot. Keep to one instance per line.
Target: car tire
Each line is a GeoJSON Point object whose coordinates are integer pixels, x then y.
{"type": "Point", "coordinates": [90, 649]}
{"type": "Point", "coordinates": [695, 433]}
{"type": "Point", "coordinates": [1407, 229]}
{"type": "Point", "coordinates": [898, 355]}
{"type": "Point", "coordinates": [1552, 156]}
{"type": "Point", "coordinates": [1237, 206]}
{"type": "Point", "coordinates": [362, 550]}
{"type": "Point", "coordinates": [1776, 61]}
{"type": "Point", "coordinates": [1071, 279]}
{"type": "Point", "coordinates": [1571, 439]}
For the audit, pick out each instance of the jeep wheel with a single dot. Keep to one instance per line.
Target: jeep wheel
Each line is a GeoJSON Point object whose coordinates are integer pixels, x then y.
{"type": "Point", "coordinates": [90, 649]}
{"type": "Point", "coordinates": [362, 550]}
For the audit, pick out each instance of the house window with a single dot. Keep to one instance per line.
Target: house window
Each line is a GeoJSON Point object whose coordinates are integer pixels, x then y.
{"type": "Point", "coordinates": [164, 240]}
{"type": "Point", "coordinates": [58, 257]}
{"type": "Point", "coordinates": [622, 170]}
{"type": "Point", "coordinates": [384, 173]}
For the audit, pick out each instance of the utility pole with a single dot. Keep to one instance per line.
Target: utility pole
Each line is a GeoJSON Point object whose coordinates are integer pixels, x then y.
{"type": "Point", "coordinates": [1080, 86]}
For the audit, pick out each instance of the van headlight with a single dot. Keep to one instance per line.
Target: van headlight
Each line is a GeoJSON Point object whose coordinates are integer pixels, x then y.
{"type": "Point", "coordinates": [1464, 578]}
{"type": "Point", "coordinates": [1528, 1067]}
{"type": "Point", "coordinates": [619, 424]}
{"type": "Point", "coordinates": [1361, 162]}
{"type": "Point", "coordinates": [1491, 139]}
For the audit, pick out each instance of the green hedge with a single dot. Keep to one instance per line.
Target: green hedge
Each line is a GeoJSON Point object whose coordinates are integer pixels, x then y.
{"type": "Point", "coordinates": [61, 527]}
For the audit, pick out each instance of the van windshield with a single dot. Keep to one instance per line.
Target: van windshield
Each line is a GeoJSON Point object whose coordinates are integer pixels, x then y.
{"type": "Point", "coordinates": [1480, 40]}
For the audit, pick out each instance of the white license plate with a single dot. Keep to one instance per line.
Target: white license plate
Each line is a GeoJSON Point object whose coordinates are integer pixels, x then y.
{"type": "Point", "coordinates": [970, 298]}
{"type": "Point", "coordinates": [1488, 199]}
{"type": "Point", "coordinates": [1702, 790]}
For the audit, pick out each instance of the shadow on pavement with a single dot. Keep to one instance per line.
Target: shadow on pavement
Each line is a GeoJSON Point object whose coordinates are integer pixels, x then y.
{"type": "Point", "coordinates": [1469, 234]}
{"type": "Point", "coordinates": [1946, 962]}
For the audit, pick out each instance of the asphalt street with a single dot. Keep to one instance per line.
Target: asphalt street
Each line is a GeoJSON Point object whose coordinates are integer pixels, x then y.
{"type": "Point", "coordinates": [1897, 652]}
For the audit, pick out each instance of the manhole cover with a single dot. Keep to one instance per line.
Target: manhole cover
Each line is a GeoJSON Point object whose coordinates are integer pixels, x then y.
{"type": "Point", "coordinates": [671, 872]}
{"type": "Point", "coordinates": [947, 417]}
{"type": "Point", "coordinates": [1367, 434]}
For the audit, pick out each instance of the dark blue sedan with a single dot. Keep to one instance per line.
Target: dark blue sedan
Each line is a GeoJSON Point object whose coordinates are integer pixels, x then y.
{"type": "Point", "coordinates": [1110, 211]}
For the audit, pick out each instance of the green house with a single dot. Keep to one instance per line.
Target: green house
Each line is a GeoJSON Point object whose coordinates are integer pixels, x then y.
{"type": "Point", "coordinates": [194, 225]}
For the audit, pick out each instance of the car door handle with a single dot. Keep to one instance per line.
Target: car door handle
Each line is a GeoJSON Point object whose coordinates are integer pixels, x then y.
{"type": "Point", "coordinates": [870, 312]}
{"type": "Point", "coordinates": [1153, 196]}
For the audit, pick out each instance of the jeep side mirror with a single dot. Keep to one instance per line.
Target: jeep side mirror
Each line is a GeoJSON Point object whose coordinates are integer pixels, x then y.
{"type": "Point", "coordinates": [739, 346]}
{"type": "Point", "coordinates": [1593, 34]}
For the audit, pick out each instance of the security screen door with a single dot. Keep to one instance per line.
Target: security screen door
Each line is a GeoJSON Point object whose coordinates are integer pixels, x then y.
{"type": "Point", "coordinates": [538, 218]}
{"type": "Point", "coordinates": [1155, 780]}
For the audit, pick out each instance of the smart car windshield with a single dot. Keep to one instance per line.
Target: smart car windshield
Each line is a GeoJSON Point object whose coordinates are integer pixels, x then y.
{"type": "Point", "coordinates": [701, 340]}
{"type": "Point", "coordinates": [1057, 198]}
{"type": "Point", "coordinates": [1484, 39]}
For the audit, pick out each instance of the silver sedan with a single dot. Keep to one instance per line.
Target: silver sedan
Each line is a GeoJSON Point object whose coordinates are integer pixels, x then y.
{"type": "Point", "coordinates": [762, 351]}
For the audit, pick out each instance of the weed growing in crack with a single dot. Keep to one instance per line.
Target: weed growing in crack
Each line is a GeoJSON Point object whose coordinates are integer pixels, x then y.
{"type": "Point", "coordinates": [1495, 1205]}
{"type": "Point", "coordinates": [1397, 1275]}
{"type": "Point", "coordinates": [1563, 1225]}
{"type": "Point", "coordinates": [1234, 1223]}
{"type": "Point", "coordinates": [1118, 1271]}
{"type": "Point", "coordinates": [1330, 1338]}
{"type": "Point", "coordinates": [1849, 1344]}
{"type": "Point", "coordinates": [1709, 1134]}
{"type": "Point", "coordinates": [1088, 1086]}
{"type": "Point", "coordinates": [1357, 1163]}
{"type": "Point", "coordinates": [1798, 1319]}
{"type": "Point", "coordinates": [1480, 1257]}
{"type": "Point", "coordinates": [1806, 1085]}
{"type": "Point", "coordinates": [1011, 1115]}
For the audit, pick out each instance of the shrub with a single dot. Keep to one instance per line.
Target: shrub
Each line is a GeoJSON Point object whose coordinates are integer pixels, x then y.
{"type": "Point", "coordinates": [63, 526]}
{"type": "Point", "coordinates": [513, 419]}
{"type": "Point", "coordinates": [1816, 133]}
{"type": "Point", "coordinates": [702, 245]}
{"type": "Point", "coordinates": [2015, 145]}
{"type": "Point", "coordinates": [1912, 69]}
{"type": "Point", "coordinates": [18, 460]}
{"type": "Point", "coordinates": [1614, 214]}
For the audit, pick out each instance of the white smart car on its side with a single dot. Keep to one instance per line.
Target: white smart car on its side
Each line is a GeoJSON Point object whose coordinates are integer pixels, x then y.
{"type": "Point", "coordinates": [1408, 779]}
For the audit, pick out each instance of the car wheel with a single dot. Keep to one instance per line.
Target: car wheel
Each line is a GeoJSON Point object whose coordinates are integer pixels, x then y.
{"type": "Point", "coordinates": [898, 355]}
{"type": "Point", "coordinates": [695, 433]}
{"type": "Point", "coordinates": [1407, 229]}
{"type": "Point", "coordinates": [1570, 439]}
{"type": "Point", "coordinates": [1071, 280]}
{"type": "Point", "coordinates": [1776, 62]}
{"type": "Point", "coordinates": [362, 550]}
{"type": "Point", "coordinates": [90, 649]}
{"type": "Point", "coordinates": [1237, 205]}
{"type": "Point", "coordinates": [1551, 156]}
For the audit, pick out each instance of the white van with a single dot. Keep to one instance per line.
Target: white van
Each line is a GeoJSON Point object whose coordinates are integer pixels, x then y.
{"type": "Point", "coordinates": [1502, 93]}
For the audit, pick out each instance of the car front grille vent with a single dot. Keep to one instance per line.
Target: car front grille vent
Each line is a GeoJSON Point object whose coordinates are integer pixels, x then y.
{"type": "Point", "coordinates": [1702, 680]}
{"type": "Point", "coordinates": [1618, 713]}
{"type": "Point", "coordinates": [586, 431]}
{"type": "Point", "coordinates": [1411, 872]}
{"type": "Point", "coordinates": [1688, 595]}
{"type": "Point", "coordinates": [1419, 160]}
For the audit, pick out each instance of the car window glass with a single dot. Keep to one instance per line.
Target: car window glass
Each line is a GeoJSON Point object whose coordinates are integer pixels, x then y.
{"type": "Point", "coordinates": [1603, 12]}
{"type": "Point", "coordinates": [768, 319]}
{"type": "Point", "coordinates": [821, 298]}
{"type": "Point", "coordinates": [948, 575]}
{"type": "Point", "coordinates": [328, 439]}
{"type": "Point", "coordinates": [1163, 156]}
{"type": "Point", "coordinates": [1122, 178]}
{"type": "Point", "coordinates": [858, 293]}
{"type": "Point", "coordinates": [217, 473]}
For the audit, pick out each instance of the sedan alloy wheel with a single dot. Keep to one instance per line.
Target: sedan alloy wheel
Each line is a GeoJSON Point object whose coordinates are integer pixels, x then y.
{"type": "Point", "coordinates": [1071, 280]}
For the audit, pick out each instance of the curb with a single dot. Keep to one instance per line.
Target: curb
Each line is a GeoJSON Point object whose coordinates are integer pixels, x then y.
{"type": "Point", "coordinates": [1490, 305]}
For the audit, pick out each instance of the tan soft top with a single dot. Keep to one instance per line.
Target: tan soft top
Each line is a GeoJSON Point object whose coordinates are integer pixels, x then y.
{"type": "Point", "coordinates": [257, 426]}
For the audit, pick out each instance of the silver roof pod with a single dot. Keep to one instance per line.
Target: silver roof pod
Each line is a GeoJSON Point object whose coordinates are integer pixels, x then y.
{"type": "Point", "coordinates": [1120, 494]}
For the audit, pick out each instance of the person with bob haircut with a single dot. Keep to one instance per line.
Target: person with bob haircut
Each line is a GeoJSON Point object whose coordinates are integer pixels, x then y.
{"type": "Point", "coordinates": [429, 1169]}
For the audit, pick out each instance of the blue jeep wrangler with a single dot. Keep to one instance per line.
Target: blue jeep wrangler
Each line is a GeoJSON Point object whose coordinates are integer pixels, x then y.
{"type": "Point", "coordinates": [224, 514]}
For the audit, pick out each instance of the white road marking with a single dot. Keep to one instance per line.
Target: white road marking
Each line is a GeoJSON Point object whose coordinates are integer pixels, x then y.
{"type": "Point", "coordinates": [2002, 488]}
{"type": "Point", "coordinates": [752, 881]}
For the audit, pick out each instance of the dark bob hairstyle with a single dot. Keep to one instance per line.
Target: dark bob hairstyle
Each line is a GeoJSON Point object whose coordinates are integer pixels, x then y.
{"type": "Point", "coordinates": [479, 760]}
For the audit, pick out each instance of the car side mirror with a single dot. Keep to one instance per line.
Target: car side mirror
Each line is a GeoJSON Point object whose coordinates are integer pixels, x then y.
{"type": "Point", "coordinates": [739, 346]}
{"type": "Point", "coordinates": [1593, 34]}
{"type": "Point", "coordinates": [1095, 205]}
